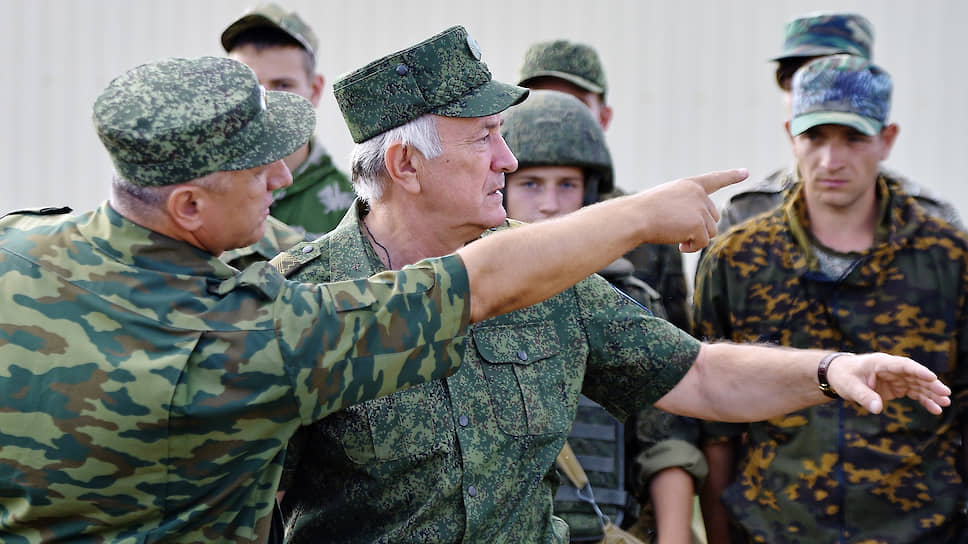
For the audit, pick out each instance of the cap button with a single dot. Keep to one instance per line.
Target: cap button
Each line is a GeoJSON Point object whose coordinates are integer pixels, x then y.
{"type": "Point", "coordinates": [402, 70]}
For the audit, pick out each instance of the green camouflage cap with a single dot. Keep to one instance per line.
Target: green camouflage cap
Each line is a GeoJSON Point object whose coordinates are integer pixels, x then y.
{"type": "Point", "coordinates": [175, 120]}
{"type": "Point", "coordinates": [840, 90]}
{"type": "Point", "coordinates": [827, 33]}
{"type": "Point", "coordinates": [574, 62]}
{"type": "Point", "coordinates": [552, 128]}
{"type": "Point", "coordinates": [271, 15]}
{"type": "Point", "coordinates": [442, 75]}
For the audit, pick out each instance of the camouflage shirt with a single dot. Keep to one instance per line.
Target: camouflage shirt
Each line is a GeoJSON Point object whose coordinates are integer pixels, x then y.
{"type": "Point", "coordinates": [319, 195]}
{"type": "Point", "coordinates": [147, 390]}
{"type": "Point", "coordinates": [470, 458]}
{"type": "Point", "coordinates": [769, 193]}
{"type": "Point", "coordinates": [834, 473]}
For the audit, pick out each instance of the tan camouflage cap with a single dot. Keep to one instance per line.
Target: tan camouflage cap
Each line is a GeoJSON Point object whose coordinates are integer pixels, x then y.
{"type": "Point", "coordinates": [574, 62]}
{"type": "Point", "coordinates": [840, 90]}
{"type": "Point", "coordinates": [271, 15]}
{"type": "Point", "coordinates": [827, 33]}
{"type": "Point", "coordinates": [443, 75]}
{"type": "Point", "coordinates": [175, 120]}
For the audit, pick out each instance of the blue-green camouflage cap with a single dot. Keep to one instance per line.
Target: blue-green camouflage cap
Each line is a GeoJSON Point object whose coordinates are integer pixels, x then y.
{"type": "Point", "coordinates": [175, 120]}
{"type": "Point", "coordinates": [552, 128]}
{"type": "Point", "coordinates": [271, 15]}
{"type": "Point", "coordinates": [443, 75]}
{"type": "Point", "coordinates": [840, 90]}
{"type": "Point", "coordinates": [827, 33]}
{"type": "Point", "coordinates": [576, 63]}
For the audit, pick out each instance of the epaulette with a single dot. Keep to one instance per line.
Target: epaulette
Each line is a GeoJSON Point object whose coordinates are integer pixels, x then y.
{"type": "Point", "coordinates": [292, 259]}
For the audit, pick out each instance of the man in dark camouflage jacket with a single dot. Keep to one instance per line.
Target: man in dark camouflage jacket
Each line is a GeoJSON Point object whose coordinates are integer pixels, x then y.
{"type": "Point", "coordinates": [849, 262]}
{"type": "Point", "coordinates": [148, 390]}
{"type": "Point", "coordinates": [467, 459]}
{"type": "Point", "coordinates": [805, 38]}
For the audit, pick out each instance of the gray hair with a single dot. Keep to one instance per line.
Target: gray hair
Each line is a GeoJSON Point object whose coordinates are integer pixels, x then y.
{"type": "Point", "coordinates": [368, 168]}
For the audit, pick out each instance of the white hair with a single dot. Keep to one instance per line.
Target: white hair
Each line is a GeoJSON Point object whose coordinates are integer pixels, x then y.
{"type": "Point", "coordinates": [369, 173]}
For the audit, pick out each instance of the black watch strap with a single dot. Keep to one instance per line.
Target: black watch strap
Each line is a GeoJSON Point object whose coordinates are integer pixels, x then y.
{"type": "Point", "coordinates": [825, 387]}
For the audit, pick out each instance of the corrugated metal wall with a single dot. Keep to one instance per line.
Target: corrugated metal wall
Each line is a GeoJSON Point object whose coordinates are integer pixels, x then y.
{"type": "Point", "coordinates": [690, 81]}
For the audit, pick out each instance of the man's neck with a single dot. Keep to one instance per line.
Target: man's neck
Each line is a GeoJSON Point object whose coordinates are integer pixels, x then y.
{"type": "Point", "coordinates": [402, 235]}
{"type": "Point", "coordinates": [844, 229]}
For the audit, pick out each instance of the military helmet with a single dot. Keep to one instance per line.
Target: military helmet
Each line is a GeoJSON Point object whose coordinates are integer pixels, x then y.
{"type": "Point", "coordinates": [552, 128]}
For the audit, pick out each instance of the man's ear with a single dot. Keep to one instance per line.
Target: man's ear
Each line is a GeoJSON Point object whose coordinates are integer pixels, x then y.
{"type": "Point", "coordinates": [605, 116]}
{"type": "Point", "coordinates": [401, 163]}
{"type": "Point", "coordinates": [185, 206]}
{"type": "Point", "coordinates": [317, 83]}
{"type": "Point", "coordinates": [888, 135]}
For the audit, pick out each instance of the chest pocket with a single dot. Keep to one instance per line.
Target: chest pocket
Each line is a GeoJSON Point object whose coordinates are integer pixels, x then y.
{"type": "Point", "coordinates": [411, 422]}
{"type": "Point", "coordinates": [525, 378]}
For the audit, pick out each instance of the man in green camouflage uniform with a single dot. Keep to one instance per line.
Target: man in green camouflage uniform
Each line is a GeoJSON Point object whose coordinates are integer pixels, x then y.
{"type": "Point", "coordinates": [576, 69]}
{"type": "Point", "coordinates": [848, 262]}
{"type": "Point", "coordinates": [806, 38]}
{"type": "Point", "coordinates": [467, 459]}
{"type": "Point", "coordinates": [148, 390]}
{"type": "Point", "coordinates": [281, 48]}
{"type": "Point", "coordinates": [564, 164]}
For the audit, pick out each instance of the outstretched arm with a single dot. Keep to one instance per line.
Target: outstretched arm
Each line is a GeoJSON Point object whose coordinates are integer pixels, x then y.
{"type": "Point", "coordinates": [519, 267]}
{"type": "Point", "coordinates": [736, 382]}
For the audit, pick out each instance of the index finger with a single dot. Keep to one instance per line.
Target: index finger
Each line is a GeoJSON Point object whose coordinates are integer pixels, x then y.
{"type": "Point", "coordinates": [714, 181]}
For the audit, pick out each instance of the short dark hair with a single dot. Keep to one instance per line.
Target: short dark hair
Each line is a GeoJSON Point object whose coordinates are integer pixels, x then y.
{"type": "Point", "coordinates": [266, 37]}
{"type": "Point", "coordinates": [786, 67]}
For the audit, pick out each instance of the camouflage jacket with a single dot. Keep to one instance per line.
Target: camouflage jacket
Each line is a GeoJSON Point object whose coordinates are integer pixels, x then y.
{"type": "Point", "coordinates": [147, 390]}
{"type": "Point", "coordinates": [620, 459]}
{"type": "Point", "coordinates": [467, 459]}
{"type": "Point", "coordinates": [769, 193]}
{"type": "Point", "coordinates": [318, 197]}
{"type": "Point", "coordinates": [834, 473]}
{"type": "Point", "coordinates": [278, 236]}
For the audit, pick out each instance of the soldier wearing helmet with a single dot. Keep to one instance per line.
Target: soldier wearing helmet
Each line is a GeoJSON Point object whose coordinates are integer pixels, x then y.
{"type": "Point", "coordinates": [564, 164]}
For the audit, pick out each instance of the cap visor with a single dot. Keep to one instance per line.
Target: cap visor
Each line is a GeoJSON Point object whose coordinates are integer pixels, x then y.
{"type": "Point", "coordinates": [570, 78]}
{"type": "Point", "coordinates": [802, 123]}
{"type": "Point", "coordinates": [288, 123]}
{"type": "Point", "coordinates": [488, 99]}
{"type": "Point", "coordinates": [808, 50]}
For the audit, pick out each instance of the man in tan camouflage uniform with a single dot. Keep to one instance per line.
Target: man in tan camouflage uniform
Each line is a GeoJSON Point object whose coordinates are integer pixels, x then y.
{"type": "Point", "coordinates": [848, 262]}
{"type": "Point", "coordinates": [467, 459]}
{"type": "Point", "coordinates": [281, 48]}
{"type": "Point", "coordinates": [147, 390]}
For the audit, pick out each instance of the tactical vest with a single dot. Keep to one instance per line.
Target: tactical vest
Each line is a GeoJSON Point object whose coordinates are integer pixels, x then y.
{"type": "Point", "coordinates": [599, 440]}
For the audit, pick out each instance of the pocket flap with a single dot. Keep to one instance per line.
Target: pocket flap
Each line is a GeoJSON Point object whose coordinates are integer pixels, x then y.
{"type": "Point", "coordinates": [522, 344]}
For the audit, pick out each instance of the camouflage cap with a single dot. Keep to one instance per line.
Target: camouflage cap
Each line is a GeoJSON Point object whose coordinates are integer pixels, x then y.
{"type": "Point", "coordinates": [841, 90]}
{"type": "Point", "coordinates": [827, 33]}
{"type": "Point", "coordinates": [175, 120]}
{"type": "Point", "coordinates": [574, 62]}
{"type": "Point", "coordinates": [271, 15]}
{"type": "Point", "coordinates": [442, 75]}
{"type": "Point", "coordinates": [552, 128]}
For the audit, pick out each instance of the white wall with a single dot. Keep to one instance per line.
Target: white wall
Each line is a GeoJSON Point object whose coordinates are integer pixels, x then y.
{"type": "Point", "coordinates": [690, 81]}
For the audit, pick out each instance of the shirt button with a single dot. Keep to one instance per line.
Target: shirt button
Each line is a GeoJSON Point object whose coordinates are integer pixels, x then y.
{"type": "Point", "coordinates": [463, 420]}
{"type": "Point", "coordinates": [472, 491]}
{"type": "Point", "coordinates": [402, 70]}
{"type": "Point", "coordinates": [307, 249]}
{"type": "Point", "coordinates": [522, 355]}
